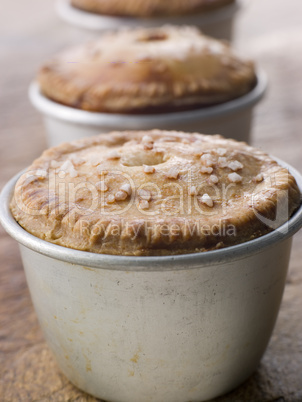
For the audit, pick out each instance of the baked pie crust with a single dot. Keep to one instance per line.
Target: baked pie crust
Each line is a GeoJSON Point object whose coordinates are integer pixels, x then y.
{"type": "Point", "coordinates": [153, 193]}
{"type": "Point", "coordinates": [148, 8]}
{"type": "Point", "coordinates": [147, 71]}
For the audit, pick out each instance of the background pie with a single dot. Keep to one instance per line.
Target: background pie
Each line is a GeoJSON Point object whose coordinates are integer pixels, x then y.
{"type": "Point", "coordinates": [147, 71]}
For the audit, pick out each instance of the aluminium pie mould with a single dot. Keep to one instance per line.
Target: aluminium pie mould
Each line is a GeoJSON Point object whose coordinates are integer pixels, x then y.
{"type": "Point", "coordinates": [232, 119]}
{"type": "Point", "coordinates": [170, 328]}
{"type": "Point", "coordinates": [218, 23]}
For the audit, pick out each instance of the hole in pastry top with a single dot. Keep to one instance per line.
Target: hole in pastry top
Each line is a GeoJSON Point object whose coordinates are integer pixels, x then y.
{"type": "Point", "coordinates": [143, 158]}
{"type": "Point", "coordinates": [153, 36]}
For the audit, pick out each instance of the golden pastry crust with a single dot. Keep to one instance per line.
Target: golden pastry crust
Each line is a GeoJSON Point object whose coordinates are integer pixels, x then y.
{"type": "Point", "coordinates": [153, 193]}
{"type": "Point", "coordinates": [149, 8]}
{"type": "Point", "coordinates": [147, 71]}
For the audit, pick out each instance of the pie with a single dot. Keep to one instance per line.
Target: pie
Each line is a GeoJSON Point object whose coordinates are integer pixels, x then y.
{"type": "Point", "coordinates": [148, 8]}
{"type": "Point", "coordinates": [152, 70]}
{"type": "Point", "coordinates": [153, 193]}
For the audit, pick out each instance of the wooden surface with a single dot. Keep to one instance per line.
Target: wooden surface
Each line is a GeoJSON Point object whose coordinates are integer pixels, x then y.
{"type": "Point", "coordinates": [268, 30]}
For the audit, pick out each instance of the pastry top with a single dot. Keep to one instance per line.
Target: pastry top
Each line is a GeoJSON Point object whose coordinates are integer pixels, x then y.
{"type": "Point", "coordinates": [148, 8]}
{"type": "Point", "coordinates": [153, 193]}
{"type": "Point", "coordinates": [147, 70]}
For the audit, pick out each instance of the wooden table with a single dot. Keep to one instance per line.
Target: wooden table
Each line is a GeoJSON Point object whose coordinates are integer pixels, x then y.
{"type": "Point", "coordinates": [269, 31]}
